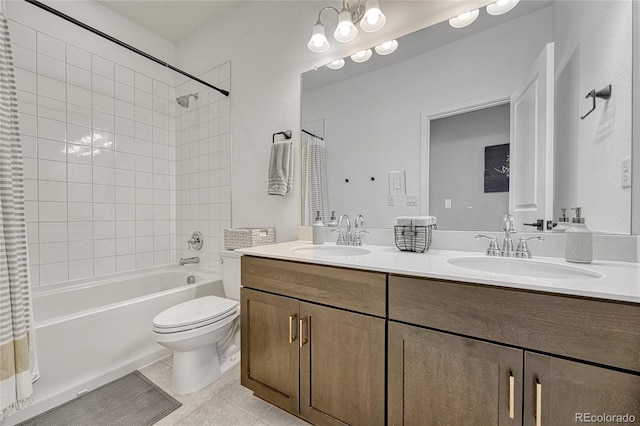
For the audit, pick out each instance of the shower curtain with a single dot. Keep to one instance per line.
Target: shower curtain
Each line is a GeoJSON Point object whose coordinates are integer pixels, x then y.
{"type": "Point", "coordinates": [317, 179]}
{"type": "Point", "coordinates": [18, 366]}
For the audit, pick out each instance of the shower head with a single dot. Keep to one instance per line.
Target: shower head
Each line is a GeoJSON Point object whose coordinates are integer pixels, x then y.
{"type": "Point", "coordinates": [183, 101]}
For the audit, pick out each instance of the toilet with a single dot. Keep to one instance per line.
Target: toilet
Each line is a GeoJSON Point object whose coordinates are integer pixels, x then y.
{"type": "Point", "coordinates": [204, 333]}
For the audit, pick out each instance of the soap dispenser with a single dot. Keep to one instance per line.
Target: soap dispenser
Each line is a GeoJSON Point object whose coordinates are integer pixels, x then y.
{"type": "Point", "coordinates": [318, 230]}
{"type": "Point", "coordinates": [333, 222]}
{"type": "Point", "coordinates": [578, 240]}
{"type": "Point", "coordinates": [563, 222]}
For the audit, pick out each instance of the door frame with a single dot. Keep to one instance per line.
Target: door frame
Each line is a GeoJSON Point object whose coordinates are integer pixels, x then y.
{"type": "Point", "coordinates": [496, 99]}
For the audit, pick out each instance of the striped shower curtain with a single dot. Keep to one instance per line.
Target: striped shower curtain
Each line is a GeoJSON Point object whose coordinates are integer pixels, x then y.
{"type": "Point", "coordinates": [18, 366]}
{"type": "Point", "coordinates": [318, 197]}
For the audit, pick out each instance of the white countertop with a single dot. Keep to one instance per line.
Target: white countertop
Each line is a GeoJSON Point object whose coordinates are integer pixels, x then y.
{"type": "Point", "coordinates": [619, 280]}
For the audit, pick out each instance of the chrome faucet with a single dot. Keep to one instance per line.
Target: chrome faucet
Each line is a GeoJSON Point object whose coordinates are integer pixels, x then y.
{"type": "Point", "coordinates": [359, 222]}
{"type": "Point", "coordinates": [508, 226]}
{"type": "Point", "coordinates": [344, 239]}
{"type": "Point", "coordinates": [189, 260]}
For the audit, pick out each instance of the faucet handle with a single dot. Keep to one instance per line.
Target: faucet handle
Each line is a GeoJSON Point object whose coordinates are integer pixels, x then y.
{"type": "Point", "coordinates": [356, 238]}
{"type": "Point", "coordinates": [523, 248]}
{"type": "Point", "coordinates": [493, 249]}
{"type": "Point", "coordinates": [341, 240]}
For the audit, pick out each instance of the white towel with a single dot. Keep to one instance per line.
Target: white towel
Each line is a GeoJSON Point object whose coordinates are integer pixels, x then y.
{"type": "Point", "coordinates": [423, 220]}
{"type": "Point", "coordinates": [280, 180]}
{"type": "Point", "coordinates": [403, 220]}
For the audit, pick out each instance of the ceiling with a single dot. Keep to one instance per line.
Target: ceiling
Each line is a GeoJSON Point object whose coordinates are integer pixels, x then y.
{"type": "Point", "coordinates": [173, 20]}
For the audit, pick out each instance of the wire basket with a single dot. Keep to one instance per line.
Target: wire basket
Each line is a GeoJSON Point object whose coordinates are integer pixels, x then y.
{"type": "Point", "coordinates": [413, 238]}
{"type": "Point", "coordinates": [235, 238]}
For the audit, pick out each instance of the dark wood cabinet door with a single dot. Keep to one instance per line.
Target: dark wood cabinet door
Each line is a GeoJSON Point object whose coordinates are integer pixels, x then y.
{"type": "Point", "coordinates": [270, 361]}
{"type": "Point", "coordinates": [442, 379]}
{"type": "Point", "coordinates": [563, 392]}
{"type": "Point", "coordinates": [341, 367]}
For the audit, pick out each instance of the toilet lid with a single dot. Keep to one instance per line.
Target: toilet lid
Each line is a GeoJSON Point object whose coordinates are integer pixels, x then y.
{"type": "Point", "coordinates": [192, 312]}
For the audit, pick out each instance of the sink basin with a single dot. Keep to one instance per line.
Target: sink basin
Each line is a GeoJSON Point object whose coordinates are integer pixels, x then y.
{"type": "Point", "coordinates": [523, 267]}
{"type": "Point", "coordinates": [331, 251]}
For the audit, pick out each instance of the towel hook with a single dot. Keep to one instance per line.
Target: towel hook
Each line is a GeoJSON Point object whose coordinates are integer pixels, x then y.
{"type": "Point", "coordinates": [286, 134]}
{"type": "Point", "coordinates": [602, 93]}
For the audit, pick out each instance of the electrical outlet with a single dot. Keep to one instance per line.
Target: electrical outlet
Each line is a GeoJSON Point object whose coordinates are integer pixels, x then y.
{"type": "Point", "coordinates": [396, 182]}
{"type": "Point", "coordinates": [447, 203]}
{"type": "Point", "coordinates": [391, 200]}
{"type": "Point", "coordinates": [412, 199]}
{"type": "Point", "coordinates": [626, 173]}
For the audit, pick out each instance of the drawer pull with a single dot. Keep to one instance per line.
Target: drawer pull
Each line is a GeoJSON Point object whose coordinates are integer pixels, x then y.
{"type": "Point", "coordinates": [538, 403]}
{"type": "Point", "coordinates": [303, 339]}
{"type": "Point", "coordinates": [292, 321]}
{"type": "Point", "coordinates": [511, 395]}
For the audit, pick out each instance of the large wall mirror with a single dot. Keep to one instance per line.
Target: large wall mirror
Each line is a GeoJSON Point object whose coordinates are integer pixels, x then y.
{"type": "Point", "coordinates": [473, 123]}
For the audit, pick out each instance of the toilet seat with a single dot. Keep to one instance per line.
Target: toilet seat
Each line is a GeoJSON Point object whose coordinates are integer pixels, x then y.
{"type": "Point", "coordinates": [194, 314]}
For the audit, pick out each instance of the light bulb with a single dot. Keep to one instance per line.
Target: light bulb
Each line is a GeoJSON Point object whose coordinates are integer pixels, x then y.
{"type": "Point", "coordinates": [336, 65]}
{"type": "Point", "coordinates": [464, 19]}
{"type": "Point", "coordinates": [318, 42]}
{"type": "Point", "coordinates": [345, 31]}
{"type": "Point", "coordinates": [362, 56]}
{"type": "Point", "coordinates": [373, 18]}
{"type": "Point", "coordinates": [387, 47]}
{"type": "Point", "coordinates": [501, 6]}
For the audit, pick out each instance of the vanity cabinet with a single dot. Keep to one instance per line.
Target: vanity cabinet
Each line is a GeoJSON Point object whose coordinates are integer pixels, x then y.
{"type": "Point", "coordinates": [305, 354]}
{"type": "Point", "coordinates": [465, 380]}
{"type": "Point", "coordinates": [437, 378]}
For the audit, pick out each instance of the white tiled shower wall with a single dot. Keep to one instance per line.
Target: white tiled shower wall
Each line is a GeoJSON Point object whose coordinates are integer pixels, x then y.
{"type": "Point", "coordinates": [203, 166]}
{"type": "Point", "coordinates": [99, 148]}
{"type": "Point", "coordinates": [100, 161]}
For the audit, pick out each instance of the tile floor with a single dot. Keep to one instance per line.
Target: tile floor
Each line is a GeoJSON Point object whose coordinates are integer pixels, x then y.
{"type": "Point", "coordinates": [223, 403]}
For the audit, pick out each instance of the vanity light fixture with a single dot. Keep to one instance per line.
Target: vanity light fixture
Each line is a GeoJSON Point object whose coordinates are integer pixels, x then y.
{"type": "Point", "coordinates": [336, 65]}
{"type": "Point", "coordinates": [464, 19]}
{"type": "Point", "coordinates": [370, 19]}
{"type": "Point", "coordinates": [362, 56]}
{"type": "Point", "coordinates": [318, 42]}
{"type": "Point", "coordinates": [501, 6]}
{"type": "Point", "coordinates": [387, 47]}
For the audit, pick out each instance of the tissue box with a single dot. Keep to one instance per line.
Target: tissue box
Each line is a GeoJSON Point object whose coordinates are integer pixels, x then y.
{"type": "Point", "coordinates": [235, 238]}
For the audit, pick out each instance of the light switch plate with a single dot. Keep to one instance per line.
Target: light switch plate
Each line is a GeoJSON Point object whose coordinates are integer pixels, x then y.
{"type": "Point", "coordinates": [391, 200]}
{"type": "Point", "coordinates": [412, 199]}
{"type": "Point", "coordinates": [625, 173]}
{"type": "Point", "coordinates": [447, 203]}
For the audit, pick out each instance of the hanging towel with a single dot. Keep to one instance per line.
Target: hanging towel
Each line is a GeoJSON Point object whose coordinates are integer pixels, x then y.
{"type": "Point", "coordinates": [281, 168]}
{"type": "Point", "coordinates": [317, 197]}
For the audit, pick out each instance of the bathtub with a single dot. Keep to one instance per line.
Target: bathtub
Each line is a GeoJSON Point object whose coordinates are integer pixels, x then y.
{"type": "Point", "coordinates": [90, 332]}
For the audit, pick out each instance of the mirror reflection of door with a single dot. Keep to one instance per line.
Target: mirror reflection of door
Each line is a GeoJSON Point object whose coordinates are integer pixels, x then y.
{"type": "Point", "coordinates": [469, 168]}
{"type": "Point", "coordinates": [532, 137]}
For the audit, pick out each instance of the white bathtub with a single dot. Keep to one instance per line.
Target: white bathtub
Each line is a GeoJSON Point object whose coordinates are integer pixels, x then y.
{"type": "Point", "coordinates": [90, 332]}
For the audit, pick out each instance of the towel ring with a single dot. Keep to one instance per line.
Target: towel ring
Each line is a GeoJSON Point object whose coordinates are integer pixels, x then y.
{"type": "Point", "coordinates": [286, 134]}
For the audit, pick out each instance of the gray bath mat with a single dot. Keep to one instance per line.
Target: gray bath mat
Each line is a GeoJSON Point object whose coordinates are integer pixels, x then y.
{"type": "Point", "coordinates": [132, 400]}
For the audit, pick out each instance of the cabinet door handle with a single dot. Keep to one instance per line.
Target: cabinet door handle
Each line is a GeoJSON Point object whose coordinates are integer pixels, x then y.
{"type": "Point", "coordinates": [292, 321]}
{"type": "Point", "coordinates": [538, 403]}
{"type": "Point", "coordinates": [303, 339]}
{"type": "Point", "coordinates": [511, 395]}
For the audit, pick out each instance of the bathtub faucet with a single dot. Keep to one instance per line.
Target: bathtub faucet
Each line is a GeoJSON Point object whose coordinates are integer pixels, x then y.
{"type": "Point", "coordinates": [188, 260]}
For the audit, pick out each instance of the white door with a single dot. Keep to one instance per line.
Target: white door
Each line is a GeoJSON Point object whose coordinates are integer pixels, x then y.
{"type": "Point", "coordinates": [531, 149]}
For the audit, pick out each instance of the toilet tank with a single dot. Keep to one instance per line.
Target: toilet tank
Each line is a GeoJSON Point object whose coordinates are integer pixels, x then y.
{"type": "Point", "coordinates": [230, 273]}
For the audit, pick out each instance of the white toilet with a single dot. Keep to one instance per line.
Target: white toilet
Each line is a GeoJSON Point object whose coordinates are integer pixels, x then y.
{"type": "Point", "coordinates": [204, 333]}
